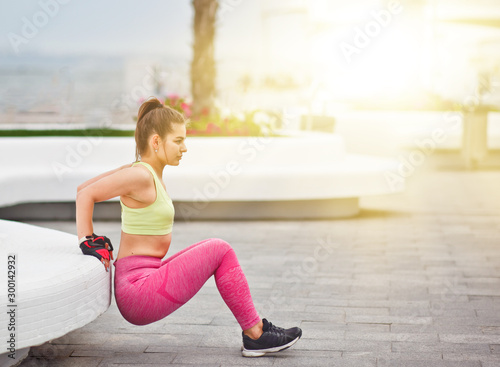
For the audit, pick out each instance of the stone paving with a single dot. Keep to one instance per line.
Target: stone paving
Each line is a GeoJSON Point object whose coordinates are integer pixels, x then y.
{"type": "Point", "coordinates": [413, 281]}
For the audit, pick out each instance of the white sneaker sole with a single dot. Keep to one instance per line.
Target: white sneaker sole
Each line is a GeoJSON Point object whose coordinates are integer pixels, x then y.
{"type": "Point", "coordinates": [261, 352]}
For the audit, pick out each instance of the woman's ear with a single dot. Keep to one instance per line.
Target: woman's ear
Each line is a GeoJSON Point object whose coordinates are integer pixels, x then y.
{"type": "Point", "coordinates": [155, 141]}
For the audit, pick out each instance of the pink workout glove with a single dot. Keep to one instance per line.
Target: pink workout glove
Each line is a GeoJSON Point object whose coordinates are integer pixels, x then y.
{"type": "Point", "coordinates": [99, 247]}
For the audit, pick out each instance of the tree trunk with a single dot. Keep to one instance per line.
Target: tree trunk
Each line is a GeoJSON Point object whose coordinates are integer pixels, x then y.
{"type": "Point", "coordinates": [203, 64]}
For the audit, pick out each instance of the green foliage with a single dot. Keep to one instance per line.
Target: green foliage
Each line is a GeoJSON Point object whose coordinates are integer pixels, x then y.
{"type": "Point", "coordinates": [78, 132]}
{"type": "Point", "coordinates": [216, 125]}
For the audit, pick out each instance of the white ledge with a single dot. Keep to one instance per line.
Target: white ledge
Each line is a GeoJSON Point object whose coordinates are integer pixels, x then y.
{"type": "Point", "coordinates": [58, 289]}
{"type": "Point", "coordinates": [241, 169]}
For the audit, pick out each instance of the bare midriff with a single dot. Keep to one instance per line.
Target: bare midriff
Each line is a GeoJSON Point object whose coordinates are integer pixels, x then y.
{"type": "Point", "coordinates": [144, 245]}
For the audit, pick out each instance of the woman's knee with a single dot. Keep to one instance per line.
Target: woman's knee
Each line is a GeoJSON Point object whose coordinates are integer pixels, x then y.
{"type": "Point", "coordinates": [221, 243]}
{"type": "Point", "coordinates": [220, 246]}
{"type": "Point", "coordinates": [226, 255]}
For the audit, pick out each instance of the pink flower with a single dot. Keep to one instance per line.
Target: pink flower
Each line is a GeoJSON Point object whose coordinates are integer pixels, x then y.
{"type": "Point", "coordinates": [212, 128]}
{"type": "Point", "coordinates": [186, 108]}
{"type": "Point", "coordinates": [173, 99]}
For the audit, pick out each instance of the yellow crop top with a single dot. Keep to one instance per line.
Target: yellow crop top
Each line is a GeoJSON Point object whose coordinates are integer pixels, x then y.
{"type": "Point", "coordinates": [155, 219]}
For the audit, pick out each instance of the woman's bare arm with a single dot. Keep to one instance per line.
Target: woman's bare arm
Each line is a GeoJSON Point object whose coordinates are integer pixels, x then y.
{"type": "Point", "coordinates": [97, 178]}
{"type": "Point", "coordinates": [122, 181]}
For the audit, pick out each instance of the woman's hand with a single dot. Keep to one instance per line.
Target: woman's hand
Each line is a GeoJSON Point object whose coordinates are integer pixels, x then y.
{"type": "Point", "coordinates": [99, 247]}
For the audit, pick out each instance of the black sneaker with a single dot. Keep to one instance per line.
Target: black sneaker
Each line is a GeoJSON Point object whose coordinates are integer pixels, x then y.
{"type": "Point", "coordinates": [272, 340]}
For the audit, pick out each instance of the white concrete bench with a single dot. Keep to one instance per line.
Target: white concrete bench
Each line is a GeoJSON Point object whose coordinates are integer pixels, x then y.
{"type": "Point", "coordinates": [57, 288]}
{"type": "Point", "coordinates": [269, 176]}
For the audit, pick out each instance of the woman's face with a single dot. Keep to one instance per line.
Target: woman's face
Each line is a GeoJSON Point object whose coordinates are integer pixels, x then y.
{"type": "Point", "coordinates": [174, 145]}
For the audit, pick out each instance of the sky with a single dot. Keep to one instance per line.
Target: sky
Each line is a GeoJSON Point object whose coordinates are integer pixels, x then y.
{"type": "Point", "coordinates": [119, 27]}
{"type": "Point", "coordinates": [252, 37]}
{"type": "Point", "coordinates": [105, 27]}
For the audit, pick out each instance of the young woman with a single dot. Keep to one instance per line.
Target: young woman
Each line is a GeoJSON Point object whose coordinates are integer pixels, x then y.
{"type": "Point", "coordinates": [148, 288]}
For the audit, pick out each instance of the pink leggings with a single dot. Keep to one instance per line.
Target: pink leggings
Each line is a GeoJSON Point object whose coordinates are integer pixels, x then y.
{"type": "Point", "coordinates": [148, 289]}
